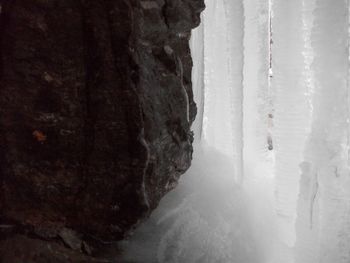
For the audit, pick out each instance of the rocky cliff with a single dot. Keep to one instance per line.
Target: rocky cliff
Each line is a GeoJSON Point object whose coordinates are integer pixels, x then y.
{"type": "Point", "coordinates": [96, 107]}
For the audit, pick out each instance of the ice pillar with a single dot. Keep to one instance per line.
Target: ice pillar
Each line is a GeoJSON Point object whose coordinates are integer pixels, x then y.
{"type": "Point", "coordinates": [291, 110]}
{"type": "Point", "coordinates": [326, 153]}
{"type": "Point", "coordinates": [223, 58]}
{"type": "Point", "coordinates": [256, 88]}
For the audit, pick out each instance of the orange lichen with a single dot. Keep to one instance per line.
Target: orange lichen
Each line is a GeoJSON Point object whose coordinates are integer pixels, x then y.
{"type": "Point", "coordinates": [39, 136]}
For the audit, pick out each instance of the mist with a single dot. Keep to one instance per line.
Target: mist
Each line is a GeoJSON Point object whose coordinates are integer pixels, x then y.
{"type": "Point", "coordinates": [208, 218]}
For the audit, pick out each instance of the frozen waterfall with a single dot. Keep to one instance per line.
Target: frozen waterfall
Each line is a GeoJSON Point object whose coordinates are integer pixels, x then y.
{"type": "Point", "coordinates": [270, 180]}
{"type": "Point", "coordinates": [326, 182]}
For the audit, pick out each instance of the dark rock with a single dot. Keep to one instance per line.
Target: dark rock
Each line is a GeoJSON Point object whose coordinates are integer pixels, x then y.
{"type": "Point", "coordinates": [96, 107]}
{"type": "Point", "coordinates": [71, 239]}
{"type": "Point", "coordinates": [22, 249]}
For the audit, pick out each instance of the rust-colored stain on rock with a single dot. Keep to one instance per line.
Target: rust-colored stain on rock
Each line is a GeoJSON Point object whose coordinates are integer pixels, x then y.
{"type": "Point", "coordinates": [39, 136]}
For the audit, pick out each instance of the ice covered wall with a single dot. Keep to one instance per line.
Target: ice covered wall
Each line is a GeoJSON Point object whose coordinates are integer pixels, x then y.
{"type": "Point", "coordinates": [326, 181]}
{"type": "Point", "coordinates": [291, 109]}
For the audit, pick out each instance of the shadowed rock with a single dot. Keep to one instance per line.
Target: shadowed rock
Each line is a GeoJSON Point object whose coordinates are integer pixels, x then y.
{"type": "Point", "coordinates": [96, 106]}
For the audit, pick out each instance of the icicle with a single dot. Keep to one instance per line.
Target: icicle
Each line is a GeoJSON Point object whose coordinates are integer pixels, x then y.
{"type": "Point", "coordinates": [224, 79]}
{"type": "Point", "coordinates": [307, 224]}
{"type": "Point", "coordinates": [235, 36]}
{"type": "Point", "coordinates": [256, 85]}
{"type": "Point", "coordinates": [291, 111]}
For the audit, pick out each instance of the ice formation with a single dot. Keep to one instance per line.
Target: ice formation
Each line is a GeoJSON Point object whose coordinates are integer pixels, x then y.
{"type": "Point", "coordinates": [291, 113]}
{"type": "Point", "coordinates": [223, 115]}
{"type": "Point", "coordinates": [270, 181]}
{"type": "Point", "coordinates": [326, 181]}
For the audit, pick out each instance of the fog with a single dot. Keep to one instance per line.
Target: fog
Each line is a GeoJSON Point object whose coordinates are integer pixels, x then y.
{"type": "Point", "coordinates": [208, 218]}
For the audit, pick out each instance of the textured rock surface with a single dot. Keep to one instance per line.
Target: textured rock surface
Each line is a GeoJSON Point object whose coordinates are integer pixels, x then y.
{"type": "Point", "coordinates": [95, 112]}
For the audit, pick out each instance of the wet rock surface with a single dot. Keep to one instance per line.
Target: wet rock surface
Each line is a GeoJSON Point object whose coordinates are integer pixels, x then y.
{"type": "Point", "coordinates": [96, 106]}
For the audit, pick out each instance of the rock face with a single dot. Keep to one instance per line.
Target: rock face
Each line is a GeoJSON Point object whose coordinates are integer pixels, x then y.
{"type": "Point", "coordinates": [96, 106]}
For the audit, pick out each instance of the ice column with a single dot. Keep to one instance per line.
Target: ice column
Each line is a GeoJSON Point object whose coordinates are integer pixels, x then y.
{"type": "Point", "coordinates": [307, 225]}
{"type": "Point", "coordinates": [327, 148]}
{"type": "Point", "coordinates": [223, 58]}
{"type": "Point", "coordinates": [291, 117]}
{"type": "Point", "coordinates": [256, 86]}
